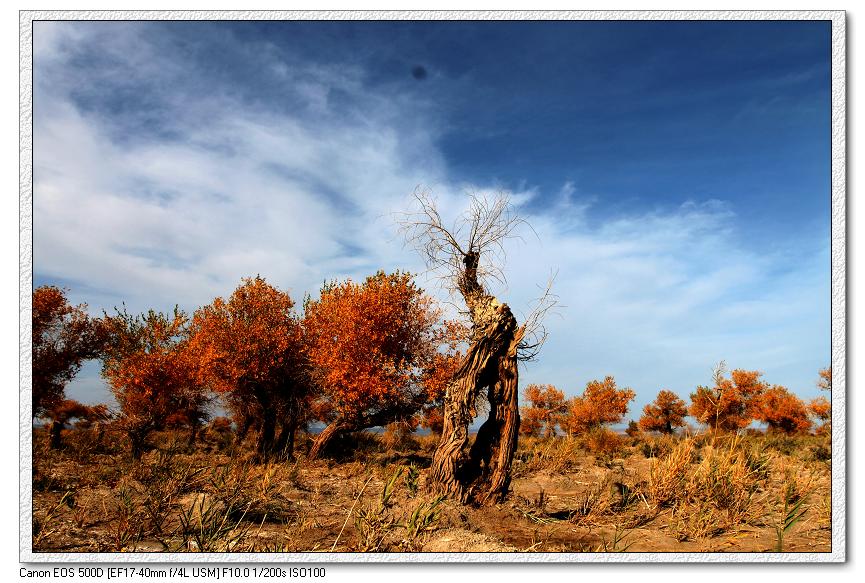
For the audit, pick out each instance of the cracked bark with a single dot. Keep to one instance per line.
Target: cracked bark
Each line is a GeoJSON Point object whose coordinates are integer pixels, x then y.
{"type": "Point", "coordinates": [483, 474]}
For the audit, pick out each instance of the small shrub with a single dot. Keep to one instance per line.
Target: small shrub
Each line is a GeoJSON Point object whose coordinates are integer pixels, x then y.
{"type": "Point", "coordinates": [210, 526]}
{"type": "Point", "coordinates": [782, 443]}
{"type": "Point", "coordinates": [603, 442]}
{"type": "Point", "coordinates": [820, 453]}
{"type": "Point", "coordinates": [658, 447]}
{"type": "Point", "coordinates": [422, 519]}
{"type": "Point", "coordinates": [47, 523]}
{"type": "Point", "coordinates": [127, 526]}
{"type": "Point", "coordinates": [593, 503]}
{"type": "Point", "coordinates": [694, 521]}
{"type": "Point", "coordinates": [399, 436]}
{"type": "Point", "coordinates": [726, 481]}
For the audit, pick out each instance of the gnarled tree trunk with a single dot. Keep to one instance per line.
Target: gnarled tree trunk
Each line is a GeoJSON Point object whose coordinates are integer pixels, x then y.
{"type": "Point", "coordinates": [504, 422]}
{"type": "Point", "coordinates": [285, 441]}
{"type": "Point", "coordinates": [325, 436]}
{"type": "Point", "coordinates": [358, 423]}
{"type": "Point", "coordinates": [490, 363]}
{"type": "Point", "coordinates": [264, 447]}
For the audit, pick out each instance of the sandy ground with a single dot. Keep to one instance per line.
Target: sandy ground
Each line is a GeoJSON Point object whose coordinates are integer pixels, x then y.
{"type": "Point", "coordinates": [93, 499]}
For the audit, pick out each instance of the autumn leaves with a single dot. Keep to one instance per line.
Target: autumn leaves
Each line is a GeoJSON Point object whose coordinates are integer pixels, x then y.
{"type": "Point", "coordinates": [601, 403]}
{"type": "Point", "coordinates": [731, 404]}
{"type": "Point", "coordinates": [362, 355]}
{"type": "Point", "coordinates": [373, 346]}
{"type": "Point", "coordinates": [735, 402]}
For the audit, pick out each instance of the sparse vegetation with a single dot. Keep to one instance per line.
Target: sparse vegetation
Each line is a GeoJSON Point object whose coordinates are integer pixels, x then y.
{"type": "Point", "coordinates": [155, 476]}
{"type": "Point", "coordinates": [755, 492]}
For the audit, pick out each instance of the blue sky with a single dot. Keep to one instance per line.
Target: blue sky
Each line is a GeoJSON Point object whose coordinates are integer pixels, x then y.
{"type": "Point", "coordinates": [676, 173]}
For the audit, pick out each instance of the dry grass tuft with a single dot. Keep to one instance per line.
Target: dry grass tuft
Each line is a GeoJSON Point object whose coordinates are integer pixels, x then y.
{"type": "Point", "coordinates": [669, 475]}
{"type": "Point", "coordinates": [555, 455]}
{"type": "Point", "coordinates": [720, 493]}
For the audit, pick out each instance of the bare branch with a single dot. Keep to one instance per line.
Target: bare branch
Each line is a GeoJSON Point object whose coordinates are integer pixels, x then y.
{"type": "Point", "coordinates": [535, 333]}
{"type": "Point", "coordinates": [482, 229]}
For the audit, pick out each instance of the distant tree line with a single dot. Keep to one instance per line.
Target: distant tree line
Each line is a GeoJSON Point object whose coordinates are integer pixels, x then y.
{"type": "Point", "coordinates": [730, 404]}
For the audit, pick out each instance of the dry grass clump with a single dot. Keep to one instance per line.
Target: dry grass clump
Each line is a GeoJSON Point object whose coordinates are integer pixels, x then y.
{"type": "Point", "coordinates": [657, 447]}
{"type": "Point", "coordinates": [428, 442]}
{"type": "Point", "coordinates": [557, 455]}
{"type": "Point", "coordinates": [399, 436]}
{"type": "Point", "coordinates": [791, 503]}
{"type": "Point", "coordinates": [711, 491]}
{"type": "Point", "coordinates": [668, 475]}
{"type": "Point", "coordinates": [729, 480]}
{"type": "Point", "coordinates": [594, 503]}
{"type": "Point", "coordinates": [603, 443]}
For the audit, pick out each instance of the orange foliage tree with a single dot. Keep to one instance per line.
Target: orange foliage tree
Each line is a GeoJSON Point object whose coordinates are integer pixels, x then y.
{"type": "Point", "coordinates": [821, 410]}
{"type": "Point", "coordinates": [601, 403]}
{"type": "Point", "coordinates": [667, 412]}
{"type": "Point", "coordinates": [782, 411]}
{"type": "Point", "coordinates": [64, 336]}
{"type": "Point", "coordinates": [250, 350]}
{"type": "Point", "coordinates": [732, 403]}
{"type": "Point", "coordinates": [150, 371]}
{"type": "Point", "coordinates": [545, 410]}
{"type": "Point", "coordinates": [369, 344]}
{"type": "Point", "coordinates": [436, 377]}
{"type": "Point", "coordinates": [825, 381]}
{"type": "Point", "coordinates": [67, 410]}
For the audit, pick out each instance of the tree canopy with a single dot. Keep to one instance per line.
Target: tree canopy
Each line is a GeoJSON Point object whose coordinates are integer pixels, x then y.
{"type": "Point", "coordinates": [732, 403]}
{"type": "Point", "coordinates": [250, 349]}
{"type": "Point", "coordinates": [369, 344]}
{"type": "Point", "coordinates": [150, 370]}
{"type": "Point", "coordinates": [602, 402]}
{"type": "Point", "coordinates": [667, 412]}
{"type": "Point", "coordinates": [64, 336]}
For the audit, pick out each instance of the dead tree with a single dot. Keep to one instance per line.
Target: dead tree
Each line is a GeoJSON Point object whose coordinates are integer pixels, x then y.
{"type": "Point", "coordinates": [467, 256]}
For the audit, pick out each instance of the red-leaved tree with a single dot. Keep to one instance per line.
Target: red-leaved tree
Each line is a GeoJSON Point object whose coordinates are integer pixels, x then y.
{"type": "Point", "coordinates": [825, 381]}
{"type": "Point", "coordinates": [732, 403]}
{"type": "Point", "coordinates": [150, 370]}
{"type": "Point", "coordinates": [820, 409]}
{"type": "Point", "coordinates": [601, 403]}
{"type": "Point", "coordinates": [250, 350]}
{"type": "Point", "coordinates": [667, 412]}
{"type": "Point", "coordinates": [369, 344]}
{"type": "Point", "coordinates": [783, 411]}
{"type": "Point", "coordinates": [67, 410]}
{"type": "Point", "coordinates": [64, 336]}
{"type": "Point", "coordinates": [546, 407]}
